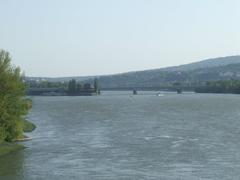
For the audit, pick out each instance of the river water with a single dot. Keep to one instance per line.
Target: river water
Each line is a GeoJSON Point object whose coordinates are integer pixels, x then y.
{"type": "Point", "coordinates": [118, 136]}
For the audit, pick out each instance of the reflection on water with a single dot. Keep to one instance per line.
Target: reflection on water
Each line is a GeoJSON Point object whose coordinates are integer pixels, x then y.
{"type": "Point", "coordinates": [119, 136]}
{"type": "Point", "coordinates": [12, 166]}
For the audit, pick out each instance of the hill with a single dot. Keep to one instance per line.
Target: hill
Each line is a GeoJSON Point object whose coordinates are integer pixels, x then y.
{"type": "Point", "coordinates": [193, 74]}
{"type": "Point", "coordinates": [188, 75]}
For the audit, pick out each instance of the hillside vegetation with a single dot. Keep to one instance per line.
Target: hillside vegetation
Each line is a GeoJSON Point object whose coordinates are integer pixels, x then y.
{"type": "Point", "coordinates": [187, 76]}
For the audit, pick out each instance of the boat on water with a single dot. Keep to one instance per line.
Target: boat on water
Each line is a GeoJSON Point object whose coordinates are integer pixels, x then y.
{"type": "Point", "coordinates": [159, 94]}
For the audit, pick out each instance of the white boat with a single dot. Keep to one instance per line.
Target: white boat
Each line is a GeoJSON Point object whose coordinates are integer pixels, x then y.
{"type": "Point", "coordinates": [159, 94]}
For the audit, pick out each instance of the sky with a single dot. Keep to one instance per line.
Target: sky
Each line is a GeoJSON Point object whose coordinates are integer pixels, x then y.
{"type": "Point", "coordinates": [57, 38]}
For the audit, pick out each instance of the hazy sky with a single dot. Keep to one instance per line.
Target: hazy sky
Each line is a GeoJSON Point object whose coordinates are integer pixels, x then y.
{"type": "Point", "coordinates": [93, 37]}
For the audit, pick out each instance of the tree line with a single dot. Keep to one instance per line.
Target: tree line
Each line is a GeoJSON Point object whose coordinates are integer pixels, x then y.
{"type": "Point", "coordinates": [223, 86]}
{"type": "Point", "coordinates": [13, 105]}
{"type": "Point", "coordinates": [72, 87]}
{"type": "Point", "coordinates": [75, 87]}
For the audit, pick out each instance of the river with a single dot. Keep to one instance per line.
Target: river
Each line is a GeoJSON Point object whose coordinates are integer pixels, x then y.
{"type": "Point", "coordinates": [119, 136]}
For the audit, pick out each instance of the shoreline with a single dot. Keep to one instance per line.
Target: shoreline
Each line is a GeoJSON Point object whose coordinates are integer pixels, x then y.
{"type": "Point", "coordinates": [11, 147]}
{"type": "Point", "coordinates": [25, 138]}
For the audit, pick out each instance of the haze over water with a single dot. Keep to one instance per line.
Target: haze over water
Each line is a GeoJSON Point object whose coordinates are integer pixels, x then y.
{"type": "Point", "coordinates": [120, 136]}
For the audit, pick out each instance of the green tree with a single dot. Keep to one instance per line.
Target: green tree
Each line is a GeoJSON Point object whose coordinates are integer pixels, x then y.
{"type": "Point", "coordinates": [13, 105]}
{"type": "Point", "coordinates": [72, 87]}
{"type": "Point", "coordinates": [96, 88]}
{"type": "Point", "coordinates": [79, 88]}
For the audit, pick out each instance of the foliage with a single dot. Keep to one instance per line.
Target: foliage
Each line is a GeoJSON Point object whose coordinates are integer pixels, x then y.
{"type": "Point", "coordinates": [227, 86]}
{"type": "Point", "coordinates": [75, 88]}
{"type": "Point", "coordinates": [13, 107]}
{"type": "Point", "coordinates": [96, 86]}
{"type": "Point", "coordinates": [28, 126]}
{"type": "Point", "coordinates": [2, 134]}
{"type": "Point", "coordinates": [190, 75]}
{"type": "Point", "coordinates": [72, 87]}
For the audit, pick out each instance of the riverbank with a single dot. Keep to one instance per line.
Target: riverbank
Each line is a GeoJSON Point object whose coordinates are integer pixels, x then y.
{"type": "Point", "coordinates": [6, 148]}
{"type": "Point", "coordinates": [28, 126]}
{"type": "Point", "coordinates": [10, 147]}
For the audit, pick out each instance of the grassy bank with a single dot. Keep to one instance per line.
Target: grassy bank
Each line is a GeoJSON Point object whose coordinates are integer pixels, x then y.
{"type": "Point", "coordinates": [6, 148]}
{"type": "Point", "coordinates": [9, 147]}
{"type": "Point", "coordinates": [28, 126]}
